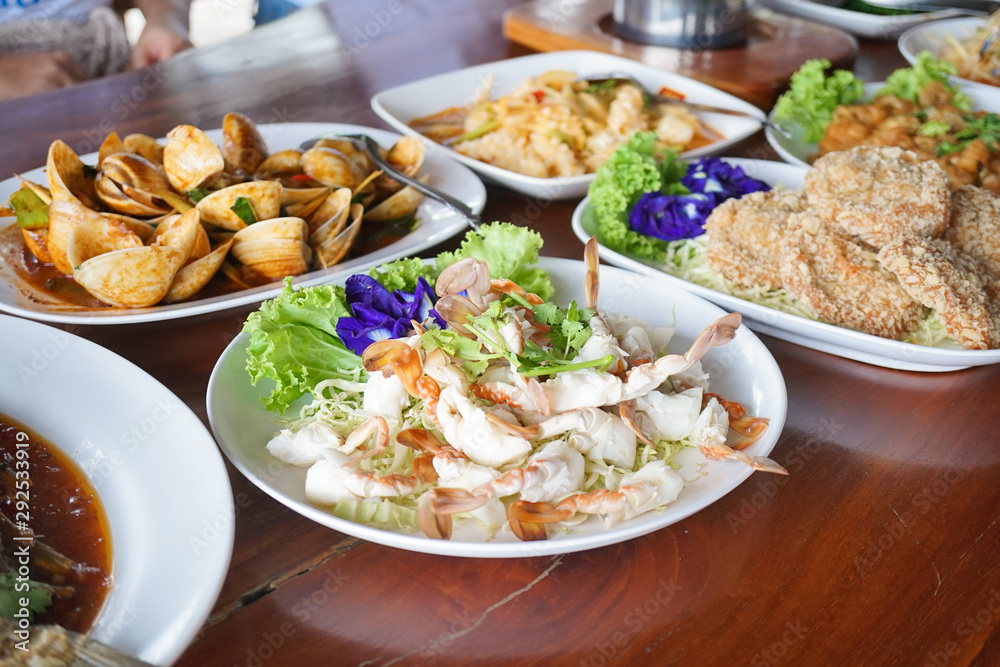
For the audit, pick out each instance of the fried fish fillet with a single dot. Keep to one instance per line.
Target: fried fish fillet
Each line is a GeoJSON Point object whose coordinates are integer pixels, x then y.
{"type": "Point", "coordinates": [939, 276]}
{"type": "Point", "coordinates": [840, 278]}
{"type": "Point", "coordinates": [975, 225]}
{"type": "Point", "coordinates": [744, 233]}
{"type": "Point", "coordinates": [880, 194]}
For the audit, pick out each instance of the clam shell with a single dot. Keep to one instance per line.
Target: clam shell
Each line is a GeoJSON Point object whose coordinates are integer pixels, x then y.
{"type": "Point", "coordinates": [190, 158]}
{"type": "Point", "coordinates": [37, 241]}
{"type": "Point", "coordinates": [350, 149]}
{"type": "Point", "coordinates": [202, 245]}
{"type": "Point", "coordinates": [137, 172]}
{"type": "Point", "coordinates": [144, 145]}
{"type": "Point", "coordinates": [96, 236]}
{"type": "Point", "coordinates": [64, 216]}
{"type": "Point", "coordinates": [130, 278]}
{"type": "Point", "coordinates": [274, 258]}
{"type": "Point", "coordinates": [406, 155]}
{"type": "Point", "coordinates": [112, 144]}
{"type": "Point", "coordinates": [288, 161]}
{"type": "Point", "coordinates": [141, 228]}
{"type": "Point", "coordinates": [193, 276]}
{"type": "Point", "coordinates": [68, 179]}
{"type": "Point", "coordinates": [302, 202]}
{"type": "Point", "coordinates": [331, 167]}
{"type": "Point", "coordinates": [264, 196]}
{"type": "Point", "coordinates": [275, 228]}
{"type": "Point", "coordinates": [179, 232]}
{"type": "Point", "coordinates": [243, 147]}
{"type": "Point", "coordinates": [401, 204]}
{"type": "Point", "coordinates": [333, 249]}
{"type": "Point", "coordinates": [335, 207]}
{"type": "Point", "coordinates": [114, 198]}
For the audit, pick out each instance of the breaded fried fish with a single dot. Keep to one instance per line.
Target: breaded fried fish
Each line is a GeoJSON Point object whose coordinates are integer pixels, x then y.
{"type": "Point", "coordinates": [880, 194]}
{"type": "Point", "coordinates": [939, 276]}
{"type": "Point", "coordinates": [975, 225]}
{"type": "Point", "coordinates": [744, 233]}
{"type": "Point", "coordinates": [840, 278]}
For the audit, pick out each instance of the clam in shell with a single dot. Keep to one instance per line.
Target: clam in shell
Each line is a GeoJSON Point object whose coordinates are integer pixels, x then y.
{"type": "Point", "coordinates": [69, 179]}
{"type": "Point", "coordinates": [399, 205]}
{"type": "Point", "coordinates": [332, 167]}
{"type": "Point", "coordinates": [37, 241]}
{"type": "Point", "coordinates": [132, 277]}
{"type": "Point", "coordinates": [181, 232]}
{"type": "Point", "coordinates": [193, 277]}
{"type": "Point", "coordinates": [283, 163]}
{"type": "Point", "coordinates": [64, 216]}
{"type": "Point", "coordinates": [190, 158]}
{"type": "Point", "coordinates": [96, 236]}
{"type": "Point", "coordinates": [334, 209]}
{"type": "Point", "coordinates": [273, 258]}
{"type": "Point", "coordinates": [116, 199]}
{"type": "Point", "coordinates": [264, 197]}
{"type": "Point", "coordinates": [243, 147]}
{"type": "Point", "coordinates": [112, 144]}
{"type": "Point", "coordinates": [146, 146]}
{"type": "Point", "coordinates": [406, 155]}
{"type": "Point", "coordinates": [331, 249]}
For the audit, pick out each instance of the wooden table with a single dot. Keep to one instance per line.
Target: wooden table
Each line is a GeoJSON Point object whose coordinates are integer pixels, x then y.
{"type": "Point", "coordinates": [879, 548]}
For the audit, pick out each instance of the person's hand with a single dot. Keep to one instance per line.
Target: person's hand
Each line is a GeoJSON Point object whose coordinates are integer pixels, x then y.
{"type": "Point", "coordinates": [157, 42]}
{"type": "Point", "coordinates": [33, 72]}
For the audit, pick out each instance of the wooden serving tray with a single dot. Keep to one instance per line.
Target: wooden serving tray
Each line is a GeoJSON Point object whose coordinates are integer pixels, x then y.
{"type": "Point", "coordinates": [757, 71]}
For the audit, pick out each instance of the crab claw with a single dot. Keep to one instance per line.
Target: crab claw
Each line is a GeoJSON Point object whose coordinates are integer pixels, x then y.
{"type": "Point", "coordinates": [454, 501]}
{"type": "Point", "coordinates": [519, 516]}
{"type": "Point", "coordinates": [434, 525]}
{"type": "Point", "coordinates": [591, 282]}
{"type": "Point", "coordinates": [456, 310]}
{"type": "Point", "coordinates": [752, 430]}
{"type": "Point", "coordinates": [396, 356]}
{"type": "Point", "coordinates": [469, 275]}
{"type": "Point", "coordinates": [626, 410]}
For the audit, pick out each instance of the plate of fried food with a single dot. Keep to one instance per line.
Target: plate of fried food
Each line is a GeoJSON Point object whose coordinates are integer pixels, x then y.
{"type": "Point", "coordinates": [968, 42]}
{"type": "Point", "coordinates": [146, 230]}
{"type": "Point", "coordinates": [868, 255]}
{"type": "Point", "coordinates": [542, 124]}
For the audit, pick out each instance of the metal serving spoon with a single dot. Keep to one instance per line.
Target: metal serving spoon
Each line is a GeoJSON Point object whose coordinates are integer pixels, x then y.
{"type": "Point", "coordinates": [623, 77]}
{"type": "Point", "coordinates": [369, 145]}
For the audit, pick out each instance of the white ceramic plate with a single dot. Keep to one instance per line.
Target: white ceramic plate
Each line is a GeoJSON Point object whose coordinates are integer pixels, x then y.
{"type": "Point", "coordinates": [743, 370]}
{"type": "Point", "coordinates": [157, 472]}
{"type": "Point", "coordinates": [808, 333]}
{"type": "Point", "coordinates": [873, 26]}
{"type": "Point", "coordinates": [437, 223]}
{"type": "Point", "coordinates": [798, 151]}
{"type": "Point", "coordinates": [398, 106]}
{"type": "Point", "coordinates": [933, 37]}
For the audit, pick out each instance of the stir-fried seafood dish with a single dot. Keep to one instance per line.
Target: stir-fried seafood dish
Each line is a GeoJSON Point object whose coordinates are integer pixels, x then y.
{"type": "Point", "coordinates": [873, 241]}
{"type": "Point", "coordinates": [153, 223]}
{"type": "Point", "coordinates": [507, 410]}
{"type": "Point", "coordinates": [557, 124]}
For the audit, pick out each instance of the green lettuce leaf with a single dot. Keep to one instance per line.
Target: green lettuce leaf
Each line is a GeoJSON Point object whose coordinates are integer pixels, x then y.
{"type": "Point", "coordinates": [403, 273]}
{"type": "Point", "coordinates": [294, 343]}
{"type": "Point", "coordinates": [509, 250]}
{"type": "Point", "coordinates": [908, 82]}
{"type": "Point", "coordinates": [812, 97]}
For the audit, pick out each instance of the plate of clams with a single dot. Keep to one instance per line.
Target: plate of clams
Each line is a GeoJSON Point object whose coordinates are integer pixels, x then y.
{"type": "Point", "coordinates": [152, 229]}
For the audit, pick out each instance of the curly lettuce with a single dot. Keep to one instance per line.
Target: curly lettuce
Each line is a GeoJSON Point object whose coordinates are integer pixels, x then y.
{"type": "Point", "coordinates": [908, 82]}
{"type": "Point", "coordinates": [812, 96]}
{"type": "Point", "coordinates": [510, 251]}
{"type": "Point", "coordinates": [630, 172]}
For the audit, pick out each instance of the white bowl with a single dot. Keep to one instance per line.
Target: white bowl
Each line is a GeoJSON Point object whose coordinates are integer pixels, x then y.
{"type": "Point", "coordinates": [797, 150]}
{"type": "Point", "coordinates": [398, 106]}
{"type": "Point", "coordinates": [157, 472]}
{"type": "Point", "coordinates": [872, 26]}
{"type": "Point", "coordinates": [933, 37]}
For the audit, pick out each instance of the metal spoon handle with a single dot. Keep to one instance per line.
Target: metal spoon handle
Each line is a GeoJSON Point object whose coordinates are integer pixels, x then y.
{"type": "Point", "coordinates": [456, 205]}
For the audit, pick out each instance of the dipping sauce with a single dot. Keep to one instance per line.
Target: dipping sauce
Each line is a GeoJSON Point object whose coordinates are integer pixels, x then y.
{"type": "Point", "coordinates": [65, 515]}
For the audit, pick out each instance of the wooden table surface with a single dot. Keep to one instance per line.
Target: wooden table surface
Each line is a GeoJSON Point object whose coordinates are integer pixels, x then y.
{"type": "Point", "coordinates": [879, 548]}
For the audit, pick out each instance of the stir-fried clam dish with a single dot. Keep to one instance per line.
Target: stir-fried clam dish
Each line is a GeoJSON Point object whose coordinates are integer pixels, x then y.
{"type": "Point", "coordinates": [507, 444]}
{"type": "Point", "coordinates": [152, 223]}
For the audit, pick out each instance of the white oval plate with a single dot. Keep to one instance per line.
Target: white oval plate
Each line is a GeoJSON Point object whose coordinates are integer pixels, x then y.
{"type": "Point", "coordinates": [398, 106]}
{"type": "Point", "coordinates": [933, 37]}
{"type": "Point", "coordinates": [743, 370]}
{"type": "Point", "coordinates": [873, 26]}
{"type": "Point", "coordinates": [437, 223]}
{"type": "Point", "coordinates": [800, 330]}
{"type": "Point", "coordinates": [157, 472]}
{"type": "Point", "coordinates": [797, 150]}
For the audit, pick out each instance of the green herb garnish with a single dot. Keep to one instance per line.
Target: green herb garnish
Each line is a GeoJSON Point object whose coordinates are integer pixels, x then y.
{"type": "Point", "coordinates": [244, 210]}
{"type": "Point", "coordinates": [197, 194]}
{"type": "Point", "coordinates": [30, 210]}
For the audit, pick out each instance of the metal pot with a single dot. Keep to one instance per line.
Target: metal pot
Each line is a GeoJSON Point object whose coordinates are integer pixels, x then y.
{"type": "Point", "coordinates": [698, 24]}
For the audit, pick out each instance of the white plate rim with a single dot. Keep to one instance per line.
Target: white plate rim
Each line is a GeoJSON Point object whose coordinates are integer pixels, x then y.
{"type": "Point", "coordinates": [438, 223]}
{"type": "Point", "coordinates": [736, 473]}
{"type": "Point", "coordinates": [802, 331]}
{"type": "Point", "coordinates": [959, 27]}
{"type": "Point", "coordinates": [564, 187]}
{"type": "Point", "coordinates": [194, 576]}
{"type": "Point", "coordinates": [874, 26]}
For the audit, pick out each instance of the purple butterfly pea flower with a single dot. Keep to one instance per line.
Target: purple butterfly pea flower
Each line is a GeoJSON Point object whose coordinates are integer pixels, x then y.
{"type": "Point", "coordinates": [720, 180]}
{"type": "Point", "coordinates": [379, 315]}
{"type": "Point", "coordinates": [670, 217]}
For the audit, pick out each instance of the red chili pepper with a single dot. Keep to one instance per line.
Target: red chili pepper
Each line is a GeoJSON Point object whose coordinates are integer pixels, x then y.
{"type": "Point", "coordinates": [301, 177]}
{"type": "Point", "coordinates": [539, 95]}
{"type": "Point", "coordinates": [670, 92]}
